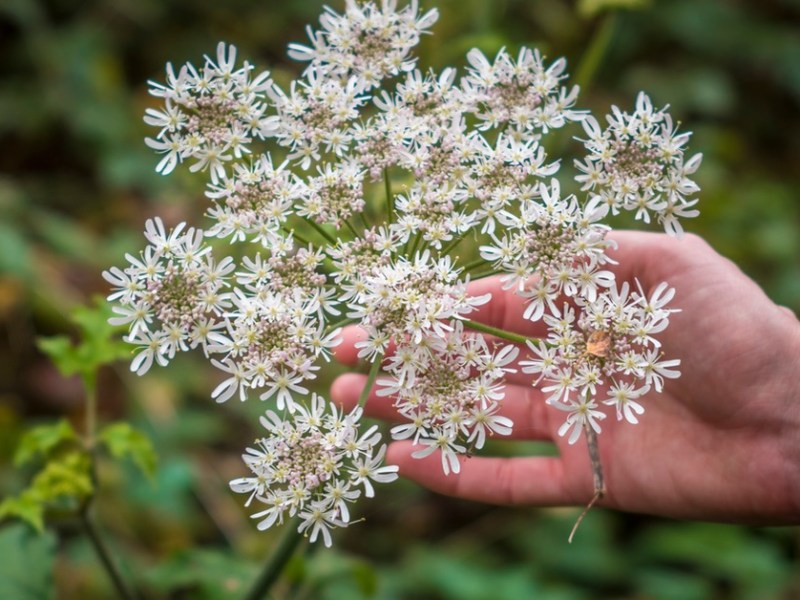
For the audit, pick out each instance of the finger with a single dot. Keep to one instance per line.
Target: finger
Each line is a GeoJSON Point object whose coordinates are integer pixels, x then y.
{"type": "Point", "coordinates": [346, 352]}
{"type": "Point", "coordinates": [346, 391]}
{"type": "Point", "coordinates": [537, 480]}
{"type": "Point", "coordinates": [505, 309]}
{"type": "Point", "coordinates": [653, 258]}
{"type": "Point", "coordinates": [524, 405]}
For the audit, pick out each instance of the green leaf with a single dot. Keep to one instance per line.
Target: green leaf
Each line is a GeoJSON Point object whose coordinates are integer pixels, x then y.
{"type": "Point", "coordinates": [591, 8]}
{"type": "Point", "coordinates": [64, 477]}
{"type": "Point", "coordinates": [26, 571]}
{"type": "Point", "coordinates": [43, 440]}
{"type": "Point", "coordinates": [27, 507]}
{"type": "Point", "coordinates": [123, 441]}
{"type": "Point", "coordinates": [99, 343]}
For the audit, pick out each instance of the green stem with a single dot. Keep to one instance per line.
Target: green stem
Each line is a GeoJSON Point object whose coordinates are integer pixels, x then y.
{"type": "Point", "coordinates": [453, 243]}
{"type": "Point", "coordinates": [321, 231]}
{"type": "Point", "coordinates": [363, 221]}
{"type": "Point", "coordinates": [352, 229]}
{"type": "Point", "coordinates": [90, 383]}
{"type": "Point", "coordinates": [590, 62]}
{"type": "Point", "coordinates": [341, 323]}
{"type": "Point", "coordinates": [299, 237]}
{"type": "Point", "coordinates": [276, 562]}
{"type": "Point", "coordinates": [501, 333]}
{"type": "Point", "coordinates": [483, 274]}
{"type": "Point", "coordinates": [123, 591]}
{"type": "Point", "coordinates": [413, 248]}
{"type": "Point", "coordinates": [478, 262]}
{"type": "Point", "coordinates": [586, 71]}
{"type": "Point", "coordinates": [373, 373]}
{"type": "Point", "coordinates": [387, 184]}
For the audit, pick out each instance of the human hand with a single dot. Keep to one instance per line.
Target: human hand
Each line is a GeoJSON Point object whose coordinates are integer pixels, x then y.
{"type": "Point", "coordinates": [722, 442]}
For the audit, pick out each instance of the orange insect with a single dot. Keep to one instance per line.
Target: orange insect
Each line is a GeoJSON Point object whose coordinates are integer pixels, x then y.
{"type": "Point", "coordinates": [598, 344]}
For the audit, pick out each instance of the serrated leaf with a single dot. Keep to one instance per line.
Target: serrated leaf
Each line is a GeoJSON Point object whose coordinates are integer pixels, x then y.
{"type": "Point", "coordinates": [27, 507]}
{"type": "Point", "coordinates": [62, 352]}
{"type": "Point", "coordinates": [66, 477]}
{"type": "Point", "coordinates": [124, 441]}
{"type": "Point", "coordinates": [26, 571]}
{"type": "Point", "coordinates": [591, 8]}
{"type": "Point", "coordinates": [43, 440]}
{"type": "Point", "coordinates": [98, 345]}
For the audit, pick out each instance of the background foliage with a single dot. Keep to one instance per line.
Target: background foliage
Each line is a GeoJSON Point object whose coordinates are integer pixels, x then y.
{"type": "Point", "coordinates": [77, 183]}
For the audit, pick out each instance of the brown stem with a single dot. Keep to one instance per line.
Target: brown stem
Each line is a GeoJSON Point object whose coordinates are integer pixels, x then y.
{"type": "Point", "coordinates": [597, 473]}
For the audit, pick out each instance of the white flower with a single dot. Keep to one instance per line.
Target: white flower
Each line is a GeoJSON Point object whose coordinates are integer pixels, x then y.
{"type": "Point", "coordinates": [312, 463]}
{"type": "Point", "coordinates": [367, 41]}
{"type": "Point", "coordinates": [582, 413]}
{"type": "Point", "coordinates": [637, 164]}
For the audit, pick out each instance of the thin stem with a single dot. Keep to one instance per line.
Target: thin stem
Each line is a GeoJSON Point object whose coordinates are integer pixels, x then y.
{"type": "Point", "coordinates": [276, 561]}
{"type": "Point", "coordinates": [387, 184]}
{"type": "Point", "coordinates": [363, 221]}
{"type": "Point", "coordinates": [413, 248]}
{"type": "Point", "coordinates": [501, 333]}
{"type": "Point", "coordinates": [594, 458]}
{"type": "Point", "coordinates": [597, 475]}
{"type": "Point", "coordinates": [453, 243]}
{"type": "Point", "coordinates": [297, 236]}
{"type": "Point", "coordinates": [352, 229]}
{"type": "Point", "coordinates": [483, 274]}
{"type": "Point", "coordinates": [478, 262]}
{"type": "Point", "coordinates": [587, 70]}
{"type": "Point", "coordinates": [321, 231]}
{"type": "Point", "coordinates": [90, 383]}
{"type": "Point", "coordinates": [340, 323]}
{"type": "Point", "coordinates": [590, 62]}
{"type": "Point", "coordinates": [373, 373]}
{"type": "Point", "coordinates": [123, 591]}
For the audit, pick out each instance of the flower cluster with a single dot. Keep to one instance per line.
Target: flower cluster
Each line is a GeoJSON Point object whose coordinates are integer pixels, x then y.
{"type": "Point", "coordinates": [351, 195]}
{"type": "Point", "coordinates": [450, 390]}
{"type": "Point", "coordinates": [610, 344]}
{"type": "Point", "coordinates": [637, 163]}
{"type": "Point", "coordinates": [313, 464]}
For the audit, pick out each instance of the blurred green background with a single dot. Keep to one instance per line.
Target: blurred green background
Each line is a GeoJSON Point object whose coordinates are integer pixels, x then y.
{"type": "Point", "coordinates": [77, 183]}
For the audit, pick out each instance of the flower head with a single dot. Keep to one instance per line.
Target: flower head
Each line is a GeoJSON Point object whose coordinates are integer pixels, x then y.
{"type": "Point", "coordinates": [312, 463]}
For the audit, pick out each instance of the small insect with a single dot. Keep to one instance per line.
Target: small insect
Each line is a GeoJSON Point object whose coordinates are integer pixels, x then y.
{"type": "Point", "coordinates": [598, 344]}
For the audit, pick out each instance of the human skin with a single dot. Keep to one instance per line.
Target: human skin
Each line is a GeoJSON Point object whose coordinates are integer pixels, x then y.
{"type": "Point", "coordinates": [722, 442]}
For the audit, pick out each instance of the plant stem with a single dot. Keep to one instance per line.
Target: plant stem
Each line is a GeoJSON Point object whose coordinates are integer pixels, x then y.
{"type": "Point", "coordinates": [90, 383]}
{"type": "Point", "coordinates": [352, 229]}
{"type": "Point", "coordinates": [364, 223]}
{"type": "Point", "coordinates": [587, 70]}
{"type": "Point", "coordinates": [338, 324]}
{"type": "Point", "coordinates": [483, 274]}
{"type": "Point", "coordinates": [321, 231]}
{"type": "Point", "coordinates": [413, 248]}
{"type": "Point", "coordinates": [299, 237]}
{"type": "Point", "coordinates": [478, 262]}
{"type": "Point", "coordinates": [123, 591]}
{"type": "Point", "coordinates": [373, 373]}
{"type": "Point", "coordinates": [453, 243]}
{"type": "Point", "coordinates": [597, 474]}
{"type": "Point", "coordinates": [276, 561]}
{"type": "Point", "coordinates": [501, 333]}
{"type": "Point", "coordinates": [590, 62]}
{"type": "Point", "coordinates": [387, 184]}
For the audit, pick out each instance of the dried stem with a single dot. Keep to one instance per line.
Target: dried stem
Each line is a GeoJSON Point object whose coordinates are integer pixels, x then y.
{"type": "Point", "coordinates": [597, 473]}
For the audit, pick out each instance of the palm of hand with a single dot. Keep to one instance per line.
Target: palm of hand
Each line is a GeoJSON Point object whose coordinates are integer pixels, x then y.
{"type": "Point", "coordinates": [721, 442]}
